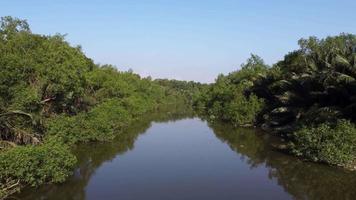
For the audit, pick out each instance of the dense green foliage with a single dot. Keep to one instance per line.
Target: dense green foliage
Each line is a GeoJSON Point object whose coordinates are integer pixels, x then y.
{"type": "Point", "coordinates": [99, 124]}
{"type": "Point", "coordinates": [226, 98]}
{"type": "Point", "coordinates": [329, 143]}
{"type": "Point", "coordinates": [49, 162]}
{"type": "Point", "coordinates": [53, 96]}
{"type": "Point", "coordinates": [314, 84]}
{"type": "Point", "coordinates": [190, 90]}
{"type": "Point", "coordinates": [300, 98]}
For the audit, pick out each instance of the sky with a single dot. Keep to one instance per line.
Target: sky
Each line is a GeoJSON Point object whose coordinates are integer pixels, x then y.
{"type": "Point", "coordinates": [184, 39]}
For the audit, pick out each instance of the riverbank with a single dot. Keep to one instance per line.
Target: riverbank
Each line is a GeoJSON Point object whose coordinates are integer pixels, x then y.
{"type": "Point", "coordinates": [307, 98]}
{"type": "Point", "coordinates": [52, 96]}
{"type": "Point", "coordinates": [157, 157]}
{"type": "Point", "coordinates": [55, 163]}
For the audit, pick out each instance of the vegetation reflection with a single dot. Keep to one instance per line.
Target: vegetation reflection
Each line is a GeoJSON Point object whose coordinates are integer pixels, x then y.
{"type": "Point", "coordinates": [91, 156]}
{"type": "Point", "coordinates": [303, 180]}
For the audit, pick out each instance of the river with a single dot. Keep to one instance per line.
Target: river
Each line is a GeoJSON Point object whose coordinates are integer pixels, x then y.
{"type": "Point", "coordinates": [180, 156]}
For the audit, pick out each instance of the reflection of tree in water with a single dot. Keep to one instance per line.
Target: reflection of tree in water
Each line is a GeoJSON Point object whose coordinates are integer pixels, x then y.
{"type": "Point", "coordinates": [302, 180]}
{"type": "Point", "coordinates": [92, 156]}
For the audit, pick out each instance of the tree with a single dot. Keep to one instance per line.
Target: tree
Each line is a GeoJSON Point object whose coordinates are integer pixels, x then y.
{"type": "Point", "coordinates": [10, 26]}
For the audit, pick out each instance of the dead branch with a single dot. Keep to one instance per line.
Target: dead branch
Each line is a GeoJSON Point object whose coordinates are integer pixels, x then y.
{"type": "Point", "coordinates": [17, 112]}
{"type": "Point", "coordinates": [47, 100]}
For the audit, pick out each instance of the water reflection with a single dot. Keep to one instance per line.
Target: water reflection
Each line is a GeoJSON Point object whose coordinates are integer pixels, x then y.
{"type": "Point", "coordinates": [303, 180]}
{"type": "Point", "coordinates": [258, 171]}
{"type": "Point", "coordinates": [92, 156]}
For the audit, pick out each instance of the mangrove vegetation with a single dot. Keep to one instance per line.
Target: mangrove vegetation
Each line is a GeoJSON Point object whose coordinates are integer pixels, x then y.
{"type": "Point", "coordinates": [308, 98]}
{"type": "Point", "coordinates": [53, 97]}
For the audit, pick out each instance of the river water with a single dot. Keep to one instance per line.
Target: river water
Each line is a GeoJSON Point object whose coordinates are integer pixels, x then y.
{"type": "Point", "coordinates": [180, 156]}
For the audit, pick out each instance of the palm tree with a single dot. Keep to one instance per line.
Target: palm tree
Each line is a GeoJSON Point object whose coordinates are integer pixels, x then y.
{"type": "Point", "coordinates": [312, 85]}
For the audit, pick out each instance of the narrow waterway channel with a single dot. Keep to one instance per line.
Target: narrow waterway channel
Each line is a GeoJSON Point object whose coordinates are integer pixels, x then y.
{"type": "Point", "coordinates": [184, 157]}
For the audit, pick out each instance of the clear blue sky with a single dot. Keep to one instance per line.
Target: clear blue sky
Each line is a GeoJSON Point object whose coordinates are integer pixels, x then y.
{"type": "Point", "coordinates": [185, 39]}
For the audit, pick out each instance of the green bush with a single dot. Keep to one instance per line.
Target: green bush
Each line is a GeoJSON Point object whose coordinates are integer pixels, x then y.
{"type": "Point", "coordinates": [230, 99]}
{"type": "Point", "coordinates": [137, 105]}
{"type": "Point", "coordinates": [99, 124]}
{"type": "Point", "coordinates": [35, 165]}
{"type": "Point", "coordinates": [243, 110]}
{"type": "Point", "coordinates": [333, 144]}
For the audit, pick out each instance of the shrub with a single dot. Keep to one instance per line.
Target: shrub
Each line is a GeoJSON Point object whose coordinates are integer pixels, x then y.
{"type": "Point", "coordinates": [243, 110]}
{"type": "Point", "coordinates": [99, 124]}
{"type": "Point", "coordinates": [333, 144]}
{"type": "Point", "coordinates": [35, 165]}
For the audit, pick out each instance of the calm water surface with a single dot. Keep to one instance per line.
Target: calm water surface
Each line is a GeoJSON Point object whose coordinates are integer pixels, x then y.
{"type": "Point", "coordinates": [180, 157]}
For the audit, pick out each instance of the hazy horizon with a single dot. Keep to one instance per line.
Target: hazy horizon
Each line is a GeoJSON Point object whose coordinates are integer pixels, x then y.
{"type": "Point", "coordinates": [184, 40]}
